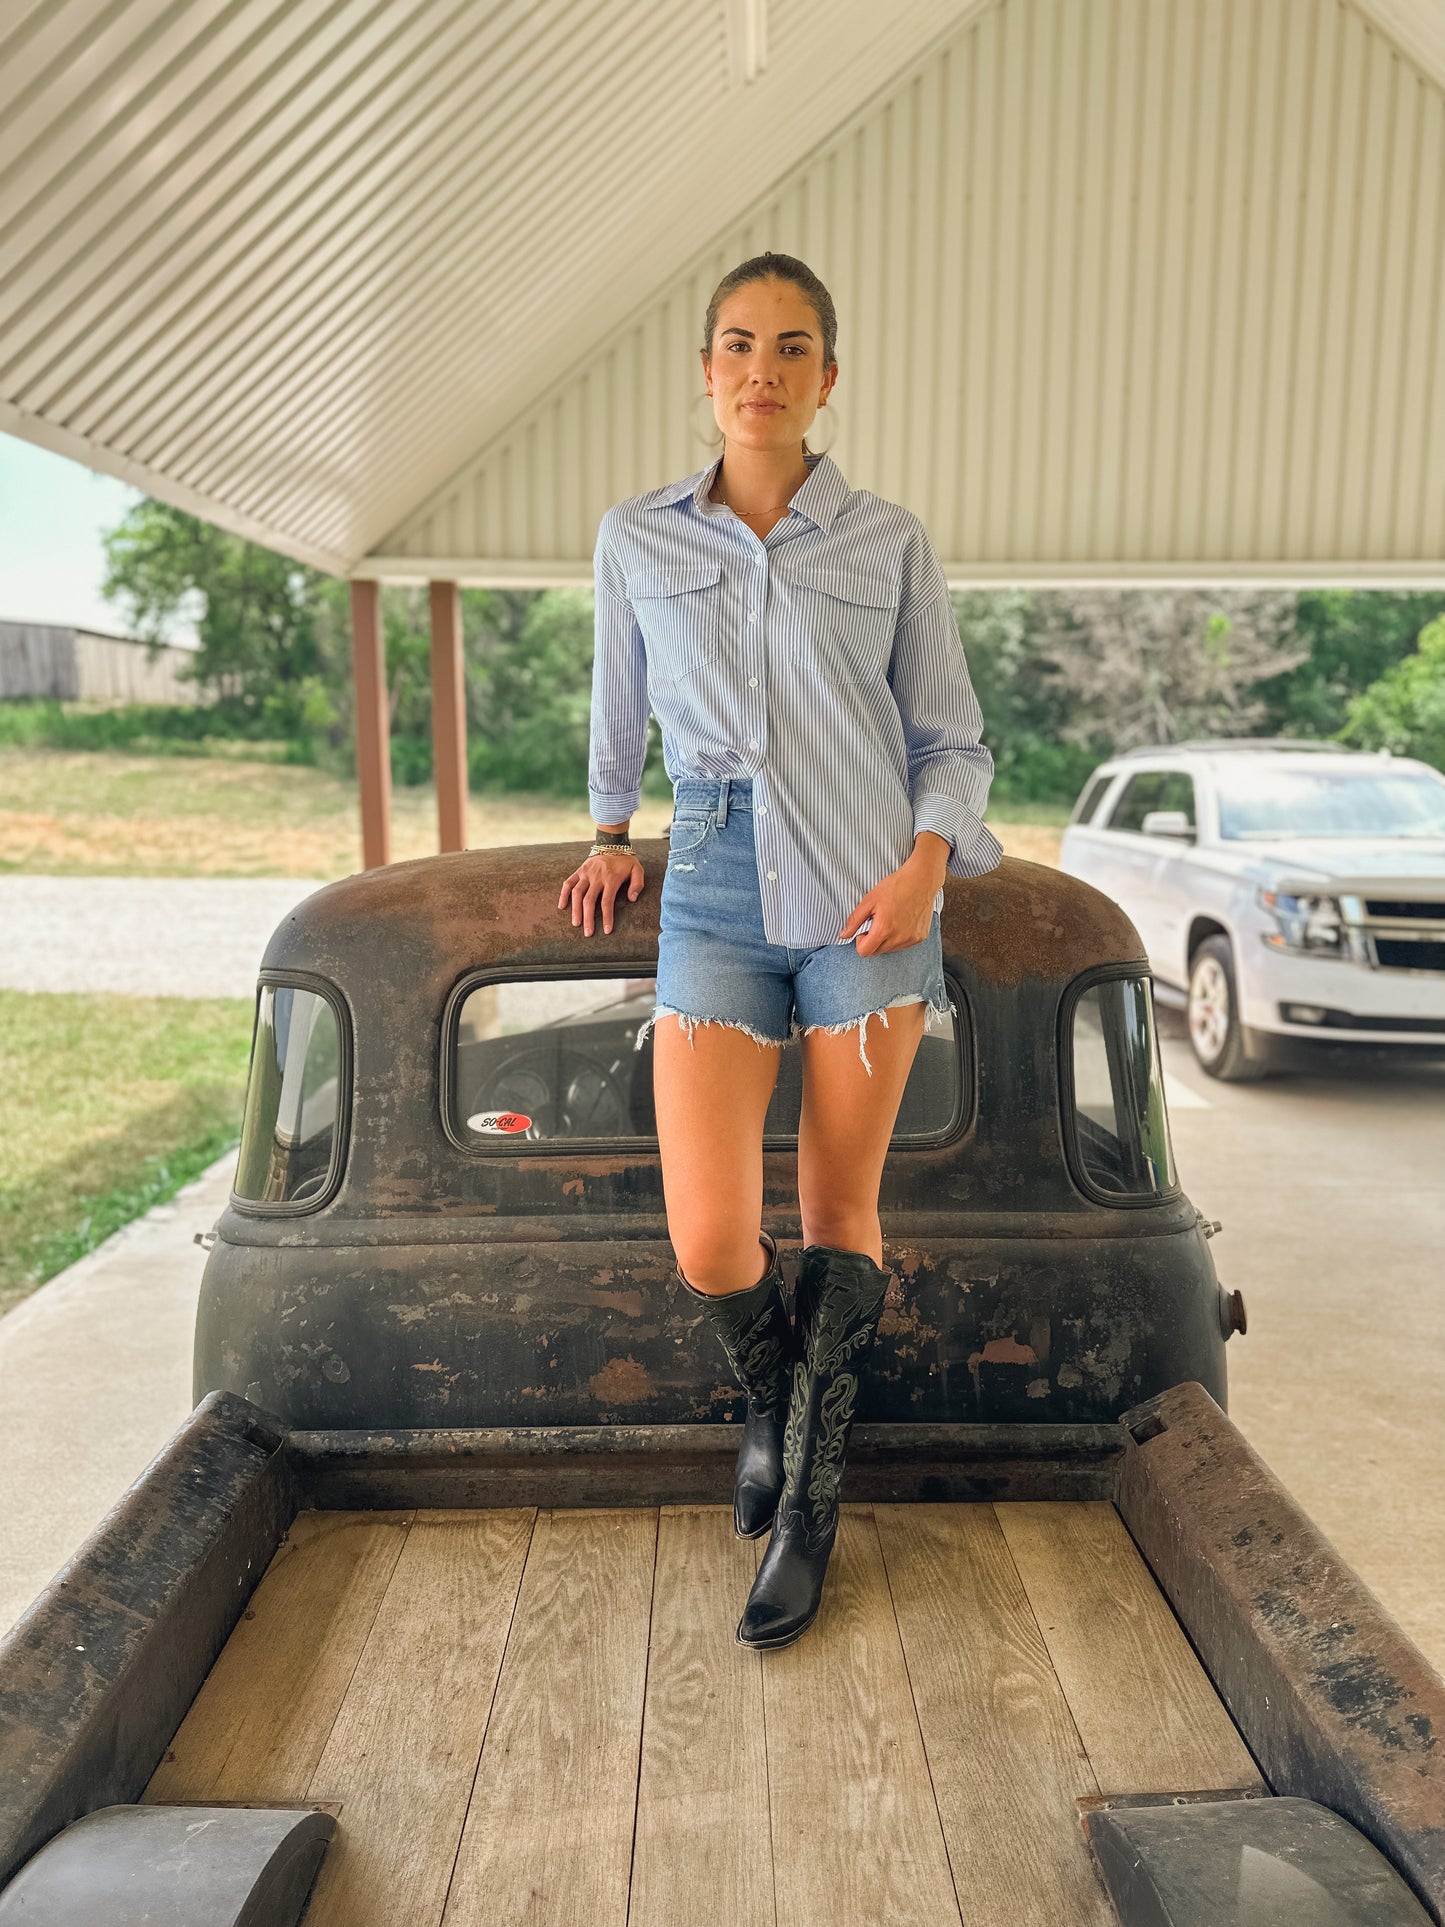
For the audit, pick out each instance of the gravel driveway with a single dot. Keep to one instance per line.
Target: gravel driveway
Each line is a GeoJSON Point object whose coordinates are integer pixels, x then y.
{"type": "Point", "coordinates": [145, 936]}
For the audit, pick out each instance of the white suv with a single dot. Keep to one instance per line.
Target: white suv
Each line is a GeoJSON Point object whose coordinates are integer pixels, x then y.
{"type": "Point", "coordinates": [1284, 891]}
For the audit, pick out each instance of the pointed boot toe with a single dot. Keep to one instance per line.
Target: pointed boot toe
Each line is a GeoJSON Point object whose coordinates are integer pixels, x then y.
{"type": "Point", "coordinates": [788, 1591]}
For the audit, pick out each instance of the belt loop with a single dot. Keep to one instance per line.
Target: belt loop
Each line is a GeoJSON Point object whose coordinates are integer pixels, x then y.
{"type": "Point", "coordinates": [722, 803]}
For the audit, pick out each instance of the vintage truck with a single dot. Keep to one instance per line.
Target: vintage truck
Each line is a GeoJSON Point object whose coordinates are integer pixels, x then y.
{"type": "Point", "coordinates": [425, 1615]}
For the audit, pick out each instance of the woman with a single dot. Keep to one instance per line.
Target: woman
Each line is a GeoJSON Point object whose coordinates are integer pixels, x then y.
{"type": "Point", "coordinates": [796, 640]}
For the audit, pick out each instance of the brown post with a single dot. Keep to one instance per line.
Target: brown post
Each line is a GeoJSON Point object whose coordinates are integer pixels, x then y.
{"type": "Point", "coordinates": [373, 724]}
{"type": "Point", "coordinates": [448, 715]}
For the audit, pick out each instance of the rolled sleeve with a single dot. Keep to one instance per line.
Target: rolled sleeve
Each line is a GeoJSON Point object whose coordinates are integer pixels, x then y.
{"type": "Point", "coordinates": [617, 746]}
{"type": "Point", "coordinates": [949, 766]}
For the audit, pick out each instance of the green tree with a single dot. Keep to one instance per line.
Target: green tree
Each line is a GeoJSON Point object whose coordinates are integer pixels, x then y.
{"type": "Point", "coordinates": [1023, 712]}
{"type": "Point", "coordinates": [1404, 710]}
{"type": "Point", "coordinates": [254, 610]}
{"type": "Point", "coordinates": [1354, 637]}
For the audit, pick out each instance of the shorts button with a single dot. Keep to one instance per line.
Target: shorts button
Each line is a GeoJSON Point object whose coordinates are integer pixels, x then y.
{"type": "Point", "coordinates": [772, 876]}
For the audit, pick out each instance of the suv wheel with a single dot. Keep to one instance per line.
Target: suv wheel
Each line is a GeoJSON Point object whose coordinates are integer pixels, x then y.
{"type": "Point", "coordinates": [1213, 1010]}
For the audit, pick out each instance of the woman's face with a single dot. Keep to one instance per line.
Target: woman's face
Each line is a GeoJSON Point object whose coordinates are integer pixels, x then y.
{"type": "Point", "coordinates": [765, 373]}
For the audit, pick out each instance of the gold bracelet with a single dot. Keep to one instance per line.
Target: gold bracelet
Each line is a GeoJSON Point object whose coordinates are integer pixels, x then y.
{"type": "Point", "coordinates": [601, 849]}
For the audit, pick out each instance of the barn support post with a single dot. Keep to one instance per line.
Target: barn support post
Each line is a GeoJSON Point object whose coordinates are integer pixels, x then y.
{"type": "Point", "coordinates": [448, 715]}
{"type": "Point", "coordinates": [373, 725]}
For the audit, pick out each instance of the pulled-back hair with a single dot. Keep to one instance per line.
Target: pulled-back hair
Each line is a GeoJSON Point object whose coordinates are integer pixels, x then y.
{"type": "Point", "coordinates": [776, 267]}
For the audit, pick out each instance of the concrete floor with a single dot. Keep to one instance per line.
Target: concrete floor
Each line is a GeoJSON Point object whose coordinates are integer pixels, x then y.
{"type": "Point", "coordinates": [1332, 1196]}
{"type": "Point", "coordinates": [144, 936]}
{"type": "Point", "coordinates": [108, 1342]}
{"type": "Point", "coordinates": [1331, 1192]}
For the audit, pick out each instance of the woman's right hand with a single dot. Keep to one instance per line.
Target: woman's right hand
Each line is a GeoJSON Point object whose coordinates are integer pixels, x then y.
{"type": "Point", "coordinates": [597, 879]}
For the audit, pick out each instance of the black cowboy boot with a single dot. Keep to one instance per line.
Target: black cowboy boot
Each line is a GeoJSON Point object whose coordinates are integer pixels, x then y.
{"type": "Point", "coordinates": [757, 1335]}
{"type": "Point", "coordinates": [839, 1298]}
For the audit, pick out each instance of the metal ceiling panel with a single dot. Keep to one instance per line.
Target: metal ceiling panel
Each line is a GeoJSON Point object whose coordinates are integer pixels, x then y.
{"type": "Point", "coordinates": [1129, 291]}
{"type": "Point", "coordinates": [292, 262]}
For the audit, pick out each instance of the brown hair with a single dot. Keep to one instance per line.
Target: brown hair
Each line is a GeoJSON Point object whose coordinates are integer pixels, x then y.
{"type": "Point", "coordinates": [777, 267]}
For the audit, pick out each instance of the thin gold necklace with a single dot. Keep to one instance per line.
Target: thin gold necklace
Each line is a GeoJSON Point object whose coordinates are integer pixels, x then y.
{"type": "Point", "coordinates": [752, 514]}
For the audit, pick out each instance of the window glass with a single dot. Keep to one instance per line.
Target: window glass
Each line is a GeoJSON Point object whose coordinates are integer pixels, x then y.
{"type": "Point", "coordinates": [1255, 800]}
{"type": "Point", "coordinates": [538, 1059]}
{"type": "Point", "coordinates": [1121, 1128]}
{"type": "Point", "coordinates": [1092, 797]}
{"type": "Point", "coordinates": [293, 1099]}
{"type": "Point", "coordinates": [1152, 789]}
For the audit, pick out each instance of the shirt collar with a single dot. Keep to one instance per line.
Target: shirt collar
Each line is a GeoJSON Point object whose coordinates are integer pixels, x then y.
{"type": "Point", "coordinates": [819, 498]}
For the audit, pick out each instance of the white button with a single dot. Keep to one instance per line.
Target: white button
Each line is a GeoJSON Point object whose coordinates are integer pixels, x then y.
{"type": "Point", "coordinates": [751, 616]}
{"type": "Point", "coordinates": [752, 682]}
{"type": "Point", "coordinates": [752, 742]}
{"type": "Point", "coordinates": [772, 876]}
{"type": "Point", "coordinates": [762, 809]}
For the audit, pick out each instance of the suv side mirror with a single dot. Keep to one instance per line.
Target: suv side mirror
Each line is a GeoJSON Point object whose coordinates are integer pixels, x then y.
{"type": "Point", "coordinates": [1167, 823]}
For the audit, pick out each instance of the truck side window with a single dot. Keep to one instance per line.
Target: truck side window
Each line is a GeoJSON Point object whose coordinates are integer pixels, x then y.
{"type": "Point", "coordinates": [1139, 795]}
{"type": "Point", "coordinates": [1120, 1127]}
{"type": "Point", "coordinates": [535, 1059]}
{"type": "Point", "coordinates": [1152, 789]}
{"type": "Point", "coordinates": [1091, 798]}
{"type": "Point", "coordinates": [290, 1129]}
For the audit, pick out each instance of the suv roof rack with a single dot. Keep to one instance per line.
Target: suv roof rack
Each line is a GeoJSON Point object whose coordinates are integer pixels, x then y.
{"type": "Point", "coordinates": [1211, 743]}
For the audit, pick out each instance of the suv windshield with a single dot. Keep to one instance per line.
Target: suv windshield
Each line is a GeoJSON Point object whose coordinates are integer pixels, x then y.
{"type": "Point", "coordinates": [1256, 801]}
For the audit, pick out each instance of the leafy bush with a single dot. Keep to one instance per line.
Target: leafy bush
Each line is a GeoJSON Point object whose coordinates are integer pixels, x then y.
{"type": "Point", "coordinates": [1404, 710]}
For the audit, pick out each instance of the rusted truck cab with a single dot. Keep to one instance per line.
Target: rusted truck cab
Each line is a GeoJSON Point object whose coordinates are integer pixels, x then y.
{"type": "Point", "coordinates": [426, 1612]}
{"type": "Point", "coordinates": [449, 1205]}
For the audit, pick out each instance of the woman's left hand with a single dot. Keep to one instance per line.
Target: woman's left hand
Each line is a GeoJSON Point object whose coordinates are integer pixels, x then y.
{"type": "Point", "coordinates": [901, 906]}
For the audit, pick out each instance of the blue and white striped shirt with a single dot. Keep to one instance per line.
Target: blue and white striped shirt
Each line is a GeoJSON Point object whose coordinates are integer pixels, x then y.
{"type": "Point", "coordinates": [823, 661]}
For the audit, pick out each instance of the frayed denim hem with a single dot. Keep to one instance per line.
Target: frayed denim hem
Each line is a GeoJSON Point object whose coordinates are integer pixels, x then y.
{"type": "Point", "coordinates": [933, 1015]}
{"type": "Point", "coordinates": [689, 1023]}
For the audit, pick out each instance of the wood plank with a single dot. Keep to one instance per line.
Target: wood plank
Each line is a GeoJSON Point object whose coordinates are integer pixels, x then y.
{"type": "Point", "coordinates": [856, 1835]}
{"type": "Point", "coordinates": [1007, 1764]}
{"type": "Point", "coordinates": [701, 1852]}
{"type": "Point", "coordinates": [256, 1729]}
{"type": "Point", "coordinates": [403, 1752]}
{"type": "Point", "coordinates": [548, 1835]}
{"type": "Point", "coordinates": [1146, 1710]}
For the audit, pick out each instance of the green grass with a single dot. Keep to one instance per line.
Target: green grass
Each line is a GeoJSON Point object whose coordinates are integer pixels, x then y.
{"type": "Point", "coordinates": [112, 1104]}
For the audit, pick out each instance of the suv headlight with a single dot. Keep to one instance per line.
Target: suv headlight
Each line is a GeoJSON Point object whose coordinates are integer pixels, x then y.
{"type": "Point", "coordinates": [1311, 924]}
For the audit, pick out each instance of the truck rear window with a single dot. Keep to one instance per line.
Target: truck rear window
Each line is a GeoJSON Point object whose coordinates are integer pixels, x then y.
{"type": "Point", "coordinates": [1119, 1126]}
{"type": "Point", "coordinates": [537, 1059]}
{"type": "Point", "coordinates": [291, 1128]}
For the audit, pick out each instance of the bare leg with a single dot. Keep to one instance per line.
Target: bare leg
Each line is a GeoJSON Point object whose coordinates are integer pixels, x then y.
{"type": "Point", "coordinates": [712, 1092]}
{"type": "Point", "coordinates": [847, 1121]}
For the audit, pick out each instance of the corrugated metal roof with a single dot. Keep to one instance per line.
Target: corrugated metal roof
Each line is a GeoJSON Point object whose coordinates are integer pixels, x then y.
{"type": "Point", "coordinates": [1126, 287]}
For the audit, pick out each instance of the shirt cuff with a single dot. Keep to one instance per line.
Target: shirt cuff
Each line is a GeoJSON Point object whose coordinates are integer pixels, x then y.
{"type": "Point", "coordinates": [973, 847]}
{"type": "Point", "coordinates": [615, 808]}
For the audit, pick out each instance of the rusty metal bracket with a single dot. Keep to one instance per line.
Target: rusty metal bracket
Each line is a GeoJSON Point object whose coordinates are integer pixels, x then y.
{"type": "Point", "coordinates": [97, 1675]}
{"type": "Point", "coordinates": [1335, 1702]}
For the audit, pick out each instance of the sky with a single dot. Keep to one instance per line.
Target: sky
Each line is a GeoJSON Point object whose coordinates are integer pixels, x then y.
{"type": "Point", "coordinates": [52, 514]}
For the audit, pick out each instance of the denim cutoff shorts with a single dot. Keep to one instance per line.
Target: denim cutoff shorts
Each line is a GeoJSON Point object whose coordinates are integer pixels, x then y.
{"type": "Point", "coordinates": [716, 966]}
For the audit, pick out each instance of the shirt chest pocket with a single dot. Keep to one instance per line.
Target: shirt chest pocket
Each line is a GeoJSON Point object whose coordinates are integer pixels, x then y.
{"type": "Point", "coordinates": [679, 610]}
{"type": "Point", "coordinates": [846, 618]}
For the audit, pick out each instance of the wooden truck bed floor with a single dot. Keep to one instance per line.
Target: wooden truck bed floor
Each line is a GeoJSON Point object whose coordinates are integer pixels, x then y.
{"type": "Point", "coordinates": [529, 1716]}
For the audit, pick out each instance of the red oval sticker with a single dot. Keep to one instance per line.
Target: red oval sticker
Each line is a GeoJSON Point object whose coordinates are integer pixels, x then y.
{"type": "Point", "coordinates": [499, 1122]}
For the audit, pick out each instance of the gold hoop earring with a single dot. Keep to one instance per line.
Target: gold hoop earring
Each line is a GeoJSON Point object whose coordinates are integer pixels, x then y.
{"type": "Point", "coordinates": [700, 433]}
{"type": "Point", "coordinates": [833, 436]}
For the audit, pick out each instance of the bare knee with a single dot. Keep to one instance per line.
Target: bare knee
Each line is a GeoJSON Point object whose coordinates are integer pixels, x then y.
{"type": "Point", "coordinates": [844, 1224]}
{"type": "Point", "coordinates": [719, 1261]}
